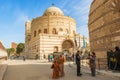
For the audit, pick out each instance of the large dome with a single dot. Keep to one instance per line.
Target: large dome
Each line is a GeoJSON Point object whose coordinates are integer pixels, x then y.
{"type": "Point", "coordinates": [53, 11]}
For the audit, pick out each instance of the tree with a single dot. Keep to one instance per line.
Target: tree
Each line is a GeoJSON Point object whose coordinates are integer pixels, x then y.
{"type": "Point", "coordinates": [20, 48]}
{"type": "Point", "coordinates": [10, 51]}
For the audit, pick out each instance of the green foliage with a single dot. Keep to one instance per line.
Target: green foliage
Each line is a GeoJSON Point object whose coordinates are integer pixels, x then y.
{"type": "Point", "coordinates": [20, 48]}
{"type": "Point", "coordinates": [10, 51]}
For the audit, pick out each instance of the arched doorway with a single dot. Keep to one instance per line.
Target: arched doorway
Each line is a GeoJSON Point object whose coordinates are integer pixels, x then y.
{"type": "Point", "coordinates": [67, 47]}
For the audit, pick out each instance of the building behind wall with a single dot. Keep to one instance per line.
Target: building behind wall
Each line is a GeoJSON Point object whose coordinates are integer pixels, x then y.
{"type": "Point", "coordinates": [51, 32]}
{"type": "Point", "coordinates": [14, 45]}
{"type": "Point", "coordinates": [104, 26]}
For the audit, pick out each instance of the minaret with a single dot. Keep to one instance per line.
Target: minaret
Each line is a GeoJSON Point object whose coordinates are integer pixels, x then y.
{"type": "Point", "coordinates": [27, 30]}
{"type": "Point", "coordinates": [27, 37]}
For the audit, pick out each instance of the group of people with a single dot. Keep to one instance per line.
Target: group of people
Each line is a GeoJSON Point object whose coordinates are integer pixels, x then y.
{"type": "Point", "coordinates": [66, 57]}
{"type": "Point", "coordinates": [92, 63]}
{"type": "Point", "coordinates": [58, 67]}
{"type": "Point", "coordinates": [113, 58]}
{"type": "Point", "coordinates": [50, 57]}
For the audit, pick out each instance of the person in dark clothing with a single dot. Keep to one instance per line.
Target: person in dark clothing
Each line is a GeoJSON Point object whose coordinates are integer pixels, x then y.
{"type": "Point", "coordinates": [49, 57]}
{"type": "Point", "coordinates": [112, 60]}
{"type": "Point", "coordinates": [23, 58]}
{"type": "Point", "coordinates": [73, 57]}
{"type": "Point", "coordinates": [117, 55]}
{"type": "Point", "coordinates": [110, 57]}
{"type": "Point", "coordinates": [78, 58]}
{"type": "Point", "coordinates": [92, 59]}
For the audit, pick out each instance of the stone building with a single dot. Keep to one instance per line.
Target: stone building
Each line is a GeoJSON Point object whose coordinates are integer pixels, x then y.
{"type": "Point", "coordinates": [3, 52]}
{"type": "Point", "coordinates": [104, 26]}
{"type": "Point", "coordinates": [14, 45]}
{"type": "Point", "coordinates": [51, 32]}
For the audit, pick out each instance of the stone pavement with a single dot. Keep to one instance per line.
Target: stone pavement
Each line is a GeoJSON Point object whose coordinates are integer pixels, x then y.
{"type": "Point", "coordinates": [3, 68]}
{"type": "Point", "coordinates": [102, 72]}
{"type": "Point", "coordinates": [36, 70]}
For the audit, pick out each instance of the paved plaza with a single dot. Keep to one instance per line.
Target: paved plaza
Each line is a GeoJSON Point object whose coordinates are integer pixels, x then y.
{"type": "Point", "coordinates": [36, 70]}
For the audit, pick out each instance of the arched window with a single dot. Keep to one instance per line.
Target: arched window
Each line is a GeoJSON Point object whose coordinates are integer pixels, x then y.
{"type": "Point", "coordinates": [39, 31]}
{"type": "Point", "coordinates": [54, 14]}
{"type": "Point", "coordinates": [45, 31]}
{"type": "Point", "coordinates": [60, 29]}
{"type": "Point", "coordinates": [54, 31]}
{"type": "Point", "coordinates": [45, 14]}
{"type": "Point", "coordinates": [34, 33]}
{"type": "Point", "coordinates": [50, 13]}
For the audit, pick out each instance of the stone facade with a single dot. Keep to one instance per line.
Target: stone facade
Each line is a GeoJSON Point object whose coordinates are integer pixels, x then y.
{"type": "Point", "coordinates": [51, 32]}
{"type": "Point", "coordinates": [3, 52]}
{"type": "Point", "coordinates": [104, 26]}
{"type": "Point", "coordinates": [14, 45]}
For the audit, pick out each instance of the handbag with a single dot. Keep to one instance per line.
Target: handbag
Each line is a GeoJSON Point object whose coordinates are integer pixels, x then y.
{"type": "Point", "coordinates": [52, 66]}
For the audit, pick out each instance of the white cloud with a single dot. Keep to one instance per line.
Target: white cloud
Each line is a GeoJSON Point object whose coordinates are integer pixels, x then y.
{"type": "Point", "coordinates": [66, 11]}
{"type": "Point", "coordinates": [81, 10]}
{"type": "Point", "coordinates": [81, 14]}
{"type": "Point", "coordinates": [64, 3]}
{"type": "Point", "coordinates": [83, 30]}
{"type": "Point", "coordinates": [20, 17]}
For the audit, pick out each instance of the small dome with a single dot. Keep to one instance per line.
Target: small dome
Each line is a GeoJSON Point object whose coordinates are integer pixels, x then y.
{"type": "Point", "coordinates": [53, 11]}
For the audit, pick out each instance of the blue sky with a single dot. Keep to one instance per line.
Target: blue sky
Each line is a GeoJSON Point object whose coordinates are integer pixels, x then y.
{"type": "Point", "coordinates": [14, 13]}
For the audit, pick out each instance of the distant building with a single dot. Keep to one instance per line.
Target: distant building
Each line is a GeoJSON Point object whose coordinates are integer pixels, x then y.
{"type": "Point", "coordinates": [14, 45]}
{"type": "Point", "coordinates": [104, 26]}
{"type": "Point", "coordinates": [3, 52]}
{"type": "Point", "coordinates": [51, 32]}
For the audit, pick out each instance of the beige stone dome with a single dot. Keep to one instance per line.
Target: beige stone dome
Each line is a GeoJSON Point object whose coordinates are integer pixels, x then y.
{"type": "Point", "coordinates": [53, 11]}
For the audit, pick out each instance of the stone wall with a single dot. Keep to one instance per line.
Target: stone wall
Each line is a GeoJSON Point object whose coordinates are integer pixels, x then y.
{"type": "Point", "coordinates": [104, 26]}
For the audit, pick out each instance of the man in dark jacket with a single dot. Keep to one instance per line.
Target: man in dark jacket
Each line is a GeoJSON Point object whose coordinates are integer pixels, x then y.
{"type": "Point", "coordinates": [110, 59]}
{"type": "Point", "coordinates": [117, 55]}
{"type": "Point", "coordinates": [78, 58]}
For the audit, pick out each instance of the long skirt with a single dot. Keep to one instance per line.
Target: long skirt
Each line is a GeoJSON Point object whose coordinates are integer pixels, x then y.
{"type": "Point", "coordinates": [61, 70]}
